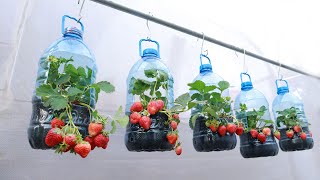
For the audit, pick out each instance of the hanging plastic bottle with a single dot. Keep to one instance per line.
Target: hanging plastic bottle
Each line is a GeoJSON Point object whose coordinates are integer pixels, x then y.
{"type": "Point", "coordinates": [252, 109]}
{"type": "Point", "coordinates": [148, 80]}
{"type": "Point", "coordinates": [291, 122]}
{"type": "Point", "coordinates": [206, 128]}
{"type": "Point", "coordinates": [71, 45]}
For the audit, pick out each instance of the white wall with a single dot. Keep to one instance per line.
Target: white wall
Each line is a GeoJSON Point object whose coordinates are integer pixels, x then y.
{"type": "Point", "coordinates": [113, 37]}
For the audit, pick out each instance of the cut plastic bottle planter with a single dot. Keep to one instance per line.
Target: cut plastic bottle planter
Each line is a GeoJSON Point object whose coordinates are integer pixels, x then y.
{"type": "Point", "coordinates": [289, 112]}
{"type": "Point", "coordinates": [205, 140]}
{"type": "Point", "coordinates": [71, 45]}
{"type": "Point", "coordinates": [142, 84]}
{"type": "Point", "coordinates": [252, 109]}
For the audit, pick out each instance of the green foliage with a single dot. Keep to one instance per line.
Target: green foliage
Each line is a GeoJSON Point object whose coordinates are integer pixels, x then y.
{"type": "Point", "coordinates": [289, 118]}
{"type": "Point", "coordinates": [254, 117]}
{"type": "Point", "coordinates": [209, 100]}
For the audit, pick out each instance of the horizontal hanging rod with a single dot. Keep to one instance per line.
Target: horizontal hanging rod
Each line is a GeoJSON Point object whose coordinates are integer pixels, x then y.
{"type": "Point", "coordinates": [198, 35]}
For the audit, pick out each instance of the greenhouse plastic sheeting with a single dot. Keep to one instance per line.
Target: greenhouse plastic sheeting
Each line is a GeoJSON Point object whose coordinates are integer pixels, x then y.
{"type": "Point", "coordinates": [29, 26]}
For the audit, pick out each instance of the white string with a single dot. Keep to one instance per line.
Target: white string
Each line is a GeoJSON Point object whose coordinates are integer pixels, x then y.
{"type": "Point", "coordinates": [245, 68]}
{"type": "Point", "coordinates": [149, 31]}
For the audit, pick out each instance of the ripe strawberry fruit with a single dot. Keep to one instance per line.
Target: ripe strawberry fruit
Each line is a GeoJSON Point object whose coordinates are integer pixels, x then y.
{"type": "Point", "coordinates": [172, 138]}
{"type": "Point", "coordinates": [159, 104]}
{"type": "Point", "coordinates": [70, 140]}
{"type": "Point", "coordinates": [231, 128]}
{"type": "Point", "coordinates": [54, 137]}
{"type": "Point", "coordinates": [101, 140]}
{"type": "Point", "coordinates": [136, 107]}
{"type": "Point", "coordinates": [277, 134]}
{"type": "Point", "coordinates": [56, 122]}
{"type": "Point", "coordinates": [266, 131]}
{"type": "Point", "coordinates": [90, 140]}
{"type": "Point", "coordinates": [254, 133]}
{"type": "Point", "coordinates": [239, 130]}
{"type": "Point", "coordinates": [222, 130]}
{"type": "Point", "coordinates": [152, 107]}
{"type": "Point", "coordinates": [290, 133]}
{"type": "Point", "coordinates": [175, 116]}
{"type": "Point", "coordinates": [82, 149]}
{"type": "Point", "coordinates": [297, 129]}
{"type": "Point", "coordinates": [145, 122]}
{"type": "Point", "coordinates": [262, 137]}
{"type": "Point", "coordinates": [174, 125]}
{"type": "Point", "coordinates": [303, 136]}
{"type": "Point", "coordinates": [95, 128]}
{"type": "Point", "coordinates": [213, 128]}
{"type": "Point", "coordinates": [135, 118]}
{"type": "Point", "coordinates": [178, 150]}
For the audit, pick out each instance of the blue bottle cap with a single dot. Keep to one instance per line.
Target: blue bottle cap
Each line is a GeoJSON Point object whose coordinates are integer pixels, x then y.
{"type": "Point", "coordinates": [205, 68]}
{"type": "Point", "coordinates": [72, 31]}
{"type": "Point", "coordinates": [282, 90]}
{"type": "Point", "coordinates": [150, 52]}
{"type": "Point", "coordinates": [246, 86]}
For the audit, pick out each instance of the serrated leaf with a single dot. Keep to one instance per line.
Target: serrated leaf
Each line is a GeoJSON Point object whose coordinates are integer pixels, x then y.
{"type": "Point", "coordinates": [123, 121]}
{"type": "Point", "coordinates": [183, 99]}
{"type": "Point", "coordinates": [45, 90]}
{"type": "Point", "coordinates": [223, 85]}
{"type": "Point", "coordinates": [106, 86]}
{"type": "Point", "coordinates": [197, 85]}
{"type": "Point", "coordinates": [71, 70]}
{"type": "Point", "coordinates": [64, 78]}
{"type": "Point", "coordinates": [196, 96]}
{"type": "Point", "coordinates": [191, 105]}
{"type": "Point", "coordinates": [57, 102]}
{"type": "Point", "coordinates": [114, 127]}
{"type": "Point", "coordinates": [209, 88]}
{"type": "Point", "coordinates": [81, 72]}
{"type": "Point", "coordinates": [210, 111]}
{"type": "Point", "coordinates": [151, 73]}
{"type": "Point", "coordinates": [177, 108]}
{"type": "Point", "coordinates": [72, 91]}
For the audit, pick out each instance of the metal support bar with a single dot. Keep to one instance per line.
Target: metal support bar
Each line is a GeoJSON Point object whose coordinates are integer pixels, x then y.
{"type": "Point", "coordinates": [198, 35]}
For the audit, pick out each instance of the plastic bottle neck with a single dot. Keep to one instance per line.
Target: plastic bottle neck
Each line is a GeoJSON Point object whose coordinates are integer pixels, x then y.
{"type": "Point", "coordinates": [73, 32]}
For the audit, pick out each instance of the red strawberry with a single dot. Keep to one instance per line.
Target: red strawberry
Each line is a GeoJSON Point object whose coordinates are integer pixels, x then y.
{"type": "Point", "coordinates": [82, 149]}
{"type": "Point", "coordinates": [178, 150]}
{"type": "Point", "coordinates": [136, 107]}
{"type": "Point", "coordinates": [303, 136]}
{"type": "Point", "coordinates": [91, 141]}
{"type": "Point", "coordinates": [145, 122]}
{"type": "Point", "coordinates": [95, 128]}
{"type": "Point", "coordinates": [54, 137]}
{"type": "Point", "coordinates": [266, 131]}
{"type": "Point", "coordinates": [67, 149]}
{"type": "Point", "coordinates": [277, 134]}
{"type": "Point", "coordinates": [172, 138]}
{"type": "Point", "coordinates": [175, 116]}
{"type": "Point", "coordinates": [222, 130]}
{"type": "Point", "coordinates": [290, 133]}
{"type": "Point", "coordinates": [310, 133]}
{"type": "Point", "coordinates": [56, 122]}
{"type": "Point", "coordinates": [231, 128]}
{"type": "Point", "coordinates": [174, 125]}
{"type": "Point", "coordinates": [297, 129]}
{"type": "Point", "coordinates": [239, 130]}
{"type": "Point", "coordinates": [213, 128]}
{"type": "Point", "coordinates": [105, 146]}
{"type": "Point", "coordinates": [254, 133]}
{"type": "Point", "coordinates": [152, 107]}
{"type": "Point", "coordinates": [135, 118]}
{"type": "Point", "coordinates": [70, 140]}
{"type": "Point", "coordinates": [262, 137]}
{"type": "Point", "coordinates": [101, 140]}
{"type": "Point", "coordinates": [159, 104]}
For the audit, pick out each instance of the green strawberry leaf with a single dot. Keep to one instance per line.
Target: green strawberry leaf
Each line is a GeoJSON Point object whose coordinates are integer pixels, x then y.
{"type": "Point", "coordinates": [183, 99]}
{"type": "Point", "coordinates": [106, 86]}
{"type": "Point", "coordinates": [64, 78]}
{"type": "Point", "coordinates": [72, 91]}
{"type": "Point", "coordinates": [223, 85]}
{"type": "Point", "coordinates": [197, 86]}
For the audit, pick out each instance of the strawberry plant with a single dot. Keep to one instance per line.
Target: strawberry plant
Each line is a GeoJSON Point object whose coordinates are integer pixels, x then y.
{"type": "Point", "coordinates": [67, 86]}
{"type": "Point", "coordinates": [290, 120]}
{"type": "Point", "coordinates": [211, 104]}
{"type": "Point", "coordinates": [254, 122]}
{"type": "Point", "coordinates": [153, 101]}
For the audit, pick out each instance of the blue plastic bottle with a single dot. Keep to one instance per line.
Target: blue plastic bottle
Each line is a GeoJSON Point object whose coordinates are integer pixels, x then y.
{"type": "Point", "coordinates": [154, 139]}
{"type": "Point", "coordinates": [286, 100]}
{"type": "Point", "coordinates": [204, 140]}
{"type": "Point", "coordinates": [71, 45]}
{"type": "Point", "coordinates": [253, 99]}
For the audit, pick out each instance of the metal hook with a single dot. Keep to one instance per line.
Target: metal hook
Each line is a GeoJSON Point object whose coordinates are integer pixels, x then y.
{"type": "Point", "coordinates": [80, 16]}
{"type": "Point", "coordinates": [202, 45]}
{"type": "Point", "coordinates": [245, 68]}
{"type": "Point", "coordinates": [207, 52]}
{"type": "Point", "coordinates": [149, 31]}
{"type": "Point", "coordinates": [280, 76]}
